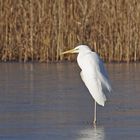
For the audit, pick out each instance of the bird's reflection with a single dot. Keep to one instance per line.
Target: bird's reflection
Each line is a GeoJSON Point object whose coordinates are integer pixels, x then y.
{"type": "Point", "coordinates": [92, 133]}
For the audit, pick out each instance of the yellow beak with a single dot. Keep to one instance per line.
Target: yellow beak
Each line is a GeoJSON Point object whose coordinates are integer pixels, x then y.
{"type": "Point", "coordinates": [69, 51]}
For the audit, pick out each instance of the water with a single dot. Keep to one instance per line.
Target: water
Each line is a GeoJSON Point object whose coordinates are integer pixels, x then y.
{"type": "Point", "coordinates": [50, 102]}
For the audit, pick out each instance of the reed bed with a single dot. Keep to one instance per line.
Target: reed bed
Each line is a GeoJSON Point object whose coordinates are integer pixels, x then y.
{"type": "Point", "coordinates": [38, 30]}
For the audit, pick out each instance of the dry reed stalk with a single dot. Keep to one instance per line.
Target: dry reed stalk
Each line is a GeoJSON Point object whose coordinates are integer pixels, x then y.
{"type": "Point", "coordinates": [39, 30]}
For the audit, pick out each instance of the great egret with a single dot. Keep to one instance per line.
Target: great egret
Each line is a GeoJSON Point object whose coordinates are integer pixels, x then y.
{"type": "Point", "coordinates": [93, 74]}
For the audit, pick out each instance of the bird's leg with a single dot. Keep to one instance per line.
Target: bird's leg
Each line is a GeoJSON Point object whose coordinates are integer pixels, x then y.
{"type": "Point", "coordinates": [94, 121]}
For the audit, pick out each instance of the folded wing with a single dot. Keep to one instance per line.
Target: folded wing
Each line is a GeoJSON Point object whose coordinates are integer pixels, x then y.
{"type": "Point", "coordinates": [95, 77]}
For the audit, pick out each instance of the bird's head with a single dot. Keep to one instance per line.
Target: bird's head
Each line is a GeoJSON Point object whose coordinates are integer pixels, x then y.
{"type": "Point", "coordinates": [78, 49]}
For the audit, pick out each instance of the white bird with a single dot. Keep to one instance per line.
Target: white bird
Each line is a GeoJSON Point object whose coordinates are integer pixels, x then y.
{"type": "Point", "coordinates": [93, 74]}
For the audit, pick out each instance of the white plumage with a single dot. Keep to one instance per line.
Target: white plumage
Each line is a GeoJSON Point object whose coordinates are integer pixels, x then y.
{"type": "Point", "coordinates": [93, 74]}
